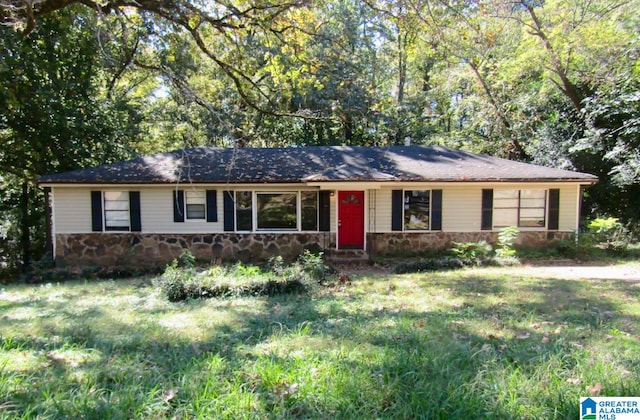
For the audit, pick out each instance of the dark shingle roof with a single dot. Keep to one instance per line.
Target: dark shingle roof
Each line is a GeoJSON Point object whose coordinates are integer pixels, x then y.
{"type": "Point", "coordinates": [307, 164]}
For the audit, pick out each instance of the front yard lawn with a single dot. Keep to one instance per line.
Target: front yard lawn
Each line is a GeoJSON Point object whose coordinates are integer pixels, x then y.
{"type": "Point", "coordinates": [473, 343]}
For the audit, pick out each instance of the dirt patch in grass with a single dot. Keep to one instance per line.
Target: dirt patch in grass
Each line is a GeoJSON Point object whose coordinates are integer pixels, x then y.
{"type": "Point", "coordinates": [629, 273]}
{"type": "Point", "coordinates": [552, 268]}
{"type": "Point", "coordinates": [574, 269]}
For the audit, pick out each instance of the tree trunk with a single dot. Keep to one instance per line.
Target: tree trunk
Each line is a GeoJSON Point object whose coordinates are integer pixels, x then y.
{"type": "Point", "coordinates": [565, 85]}
{"type": "Point", "coordinates": [347, 124]}
{"type": "Point", "coordinates": [515, 149]}
{"type": "Point", "coordinates": [402, 65]}
{"type": "Point", "coordinates": [25, 238]}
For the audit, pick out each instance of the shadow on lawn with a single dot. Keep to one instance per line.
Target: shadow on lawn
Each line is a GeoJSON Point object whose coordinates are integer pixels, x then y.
{"type": "Point", "coordinates": [386, 361]}
{"type": "Point", "coordinates": [557, 300]}
{"type": "Point", "coordinates": [435, 363]}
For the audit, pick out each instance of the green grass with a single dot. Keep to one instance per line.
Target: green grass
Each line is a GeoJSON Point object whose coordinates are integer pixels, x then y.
{"type": "Point", "coordinates": [464, 344]}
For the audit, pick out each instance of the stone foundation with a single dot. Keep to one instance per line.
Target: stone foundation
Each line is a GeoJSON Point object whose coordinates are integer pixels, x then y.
{"type": "Point", "coordinates": [394, 243]}
{"type": "Point", "coordinates": [153, 250]}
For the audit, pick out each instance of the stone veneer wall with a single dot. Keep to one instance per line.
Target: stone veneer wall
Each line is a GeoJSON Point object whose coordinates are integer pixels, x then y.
{"type": "Point", "coordinates": [153, 250]}
{"type": "Point", "coordinates": [404, 242]}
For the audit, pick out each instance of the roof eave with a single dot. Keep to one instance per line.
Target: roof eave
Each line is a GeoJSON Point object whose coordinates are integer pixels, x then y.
{"type": "Point", "coordinates": [582, 181]}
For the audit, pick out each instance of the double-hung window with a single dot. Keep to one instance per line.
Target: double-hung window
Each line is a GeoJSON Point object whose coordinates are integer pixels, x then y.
{"type": "Point", "coordinates": [195, 204]}
{"type": "Point", "coordinates": [522, 208]}
{"type": "Point", "coordinates": [417, 209]}
{"type": "Point", "coordinates": [116, 210]}
{"type": "Point", "coordinates": [309, 210]}
{"type": "Point", "coordinates": [244, 210]}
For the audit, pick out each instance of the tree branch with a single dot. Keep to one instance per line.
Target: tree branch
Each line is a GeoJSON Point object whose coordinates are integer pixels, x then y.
{"type": "Point", "coordinates": [568, 88]}
{"type": "Point", "coordinates": [23, 14]}
{"type": "Point", "coordinates": [520, 152]}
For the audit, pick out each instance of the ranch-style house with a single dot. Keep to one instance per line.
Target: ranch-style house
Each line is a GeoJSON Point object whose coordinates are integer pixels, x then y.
{"type": "Point", "coordinates": [254, 203]}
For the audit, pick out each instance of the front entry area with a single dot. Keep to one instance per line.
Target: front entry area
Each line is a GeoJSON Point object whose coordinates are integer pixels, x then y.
{"type": "Point", "coordinates": [350, 219]}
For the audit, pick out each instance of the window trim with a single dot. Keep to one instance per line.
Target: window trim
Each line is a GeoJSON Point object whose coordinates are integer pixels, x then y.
{"type": "Point", "coordinates": [188, 219]}
{"type": "Point", "coordinates": [298, 211]}
{"type": "Point", "coordinates": [254, 211]}
{"type": "Point", "coordinates": [235, 211]}
{"type": "Point", "coordinates": [106, 228]}
{"type": "Point", "coordinates": [404, 227]}
{"type": "Point", "coordinates": [518, 209]}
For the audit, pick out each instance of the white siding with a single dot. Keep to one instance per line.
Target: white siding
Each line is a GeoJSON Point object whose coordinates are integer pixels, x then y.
{"type": "Point", "coordinates": [156, 214]}
{"type": "Point", "coordinates": [569, 196]}
{"type": "Point", "coordinates": [72, 210]}
{"type": "Point", "coordinates": [383, 211]}
{"type": "Point", "coordinates": [333, 212]}
{"type": "Point", "coordinates": [461, 207]}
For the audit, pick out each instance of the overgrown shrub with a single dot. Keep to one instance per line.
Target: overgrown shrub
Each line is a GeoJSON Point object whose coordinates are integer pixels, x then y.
{"type": "Point", "coordinates": [173, 282]}
{"type": "Point", "coordinates": [429, 264]}
{"type": "Point", "coordinates": [608, 234]}
{"type": "Point", "coordinates": [241, 270]}
{"type": "Point", "coordinates": [602, 236]}
{"type": "Point", "coordinates": [275, 264]}
{"type": "Point", "coordinates": [575, 247]}
{"type": "Point", "coordinates": [314, 266]}
{"type": "Point", "coordinates": [473, 253]}
{"type": "Point", "coordinates": [274, 287]}
{"type": "Point", "coordinates": [186, 259]}
{"type": "Point", "coordinates": [506, 239]}
{"type": "Point", "coordinates": [183, 282]}
{"type": "Point", "coordinates": [464, 254]}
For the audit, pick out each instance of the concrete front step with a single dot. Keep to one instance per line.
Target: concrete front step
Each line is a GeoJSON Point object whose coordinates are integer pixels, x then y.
{"type": "Point", "coordinates": [347, 256]}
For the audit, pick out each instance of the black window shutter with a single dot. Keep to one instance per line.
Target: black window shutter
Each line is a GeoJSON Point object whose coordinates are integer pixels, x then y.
{"type": "Point", "coordinates": [436, 209]}
{"type": "Point", "coordinates": [324, 211]}
{"type": "Point", "coordinates": [134, 211]}
{"type": "Point", "coordinates": [229, 220]}
{"type": "Point", "coordinates": [487, 209]}
{"type": "Point", "coordinates": [96, 211]}
{"type": "Point", "coordinates": [178, 205]}
{"type": "Point", "coordinates": [212, 206]}
{"type": "Point", "coordinates": [554, 209]}
{"type": "Point", "coordinates": [397, 203]}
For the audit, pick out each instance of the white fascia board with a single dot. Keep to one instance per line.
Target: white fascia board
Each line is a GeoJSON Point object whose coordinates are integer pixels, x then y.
{"type": "Point", "coordinates": [494, 185]}
{"type": "Point", "coordinates": [345, 186]}
{"type": "Point", "coordinates": [181, 185]}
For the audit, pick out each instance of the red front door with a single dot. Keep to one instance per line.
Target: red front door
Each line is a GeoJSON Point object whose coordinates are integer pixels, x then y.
{"type": "Point", "coordinates": [351, 219]}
